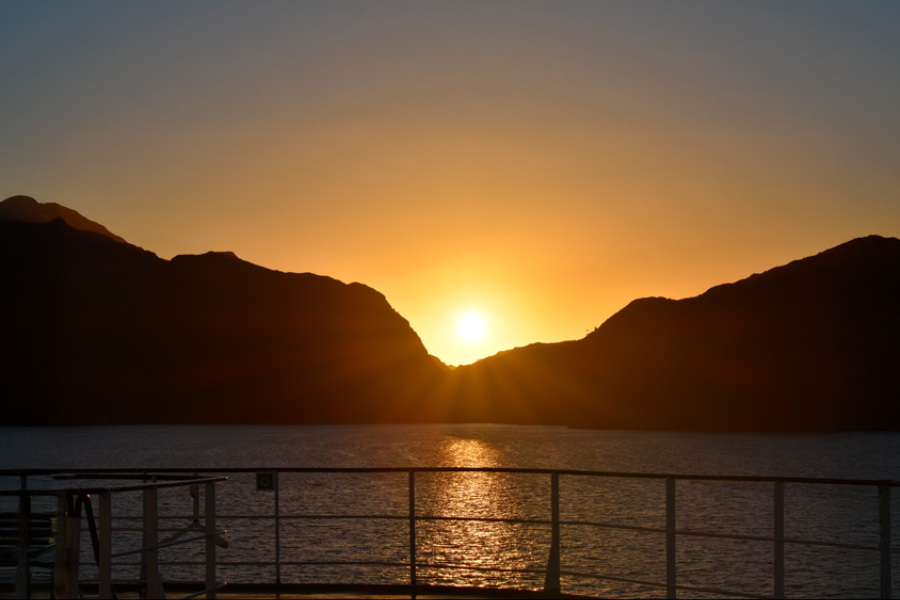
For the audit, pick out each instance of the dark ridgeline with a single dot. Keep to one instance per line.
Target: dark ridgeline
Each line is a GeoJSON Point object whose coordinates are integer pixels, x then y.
{"type": "Point", "coordinates": [28, 210]}
{"type": "Point", "coordinates": [99, 331]}
{"type": "Point", "coordinates": [810, 346]}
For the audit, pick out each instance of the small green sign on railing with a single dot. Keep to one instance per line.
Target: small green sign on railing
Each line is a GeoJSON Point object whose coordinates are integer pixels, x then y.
{"type": "Point", "coordinates": [265, 481]}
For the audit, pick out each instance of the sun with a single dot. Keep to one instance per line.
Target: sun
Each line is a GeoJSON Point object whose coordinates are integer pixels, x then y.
{"type": "Point", "coordinates": [471, 326]}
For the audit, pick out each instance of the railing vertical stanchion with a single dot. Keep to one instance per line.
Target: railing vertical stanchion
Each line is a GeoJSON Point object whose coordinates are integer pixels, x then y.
{"type": "Point", "coordinates": [884, 514]}
{"type": "Point", "coordinates": [779, 539]}
{"type": "Point", "coordinates": [104, 538]}
{"type": "Point", "coordinates": [194, 492]}
{"type": "Point", "coordinates": [73, 558]}
{"type": "Point", "coordinates": [551, 582]}
{"type": "Point", "coordinates": [412, 534]}
{"type": "Point", "coordinates": [671, 574]}
{"type": "Point", "coordinates": [210, 518]}
{"type": "Point", "coordinates": [277, 538]}
{"type": "Point", "coordinates": [150, 566]}
{"type": "Point", "coordinates": [142, 593]}
{"type": "Point", "coordinates": [60, 535]}
{"type": "Point", "coordinates": [23, 566]}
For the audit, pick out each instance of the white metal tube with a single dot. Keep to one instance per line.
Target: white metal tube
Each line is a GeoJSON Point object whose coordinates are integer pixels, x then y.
{"type": "Point", "coordinates": [779, 540]}
{"type": "Point", "coordinates": [671, 574]}
{"type": "Point", "coordinates": [210, 498]}
{"type": "Point", "coordinates": [73, 558]}
{"type": "Point", "coordinates": [277, 535]}
{"type": "Point", "coordinates": [412, 533]}
{"type": "Point", "coordinates": [60, 536]}
{"type": "Point", "coordinates": [884, 513]}
{"type": "Point", "coordinates": [23, 565]}
{"type": "Point", "coordinates": [105, 551]}
{"type": "Point", "coordinates": [151, 514]}
{"type": "Point", "coordinates": [551, 581]}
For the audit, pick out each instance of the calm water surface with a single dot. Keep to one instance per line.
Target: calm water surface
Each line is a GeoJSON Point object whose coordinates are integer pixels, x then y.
{"type": "Point", "coordinates": [827, 513]}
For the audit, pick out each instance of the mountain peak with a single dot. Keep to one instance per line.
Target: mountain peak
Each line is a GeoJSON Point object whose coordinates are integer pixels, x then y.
{"type": "Point", "coordinates": [29, 210]}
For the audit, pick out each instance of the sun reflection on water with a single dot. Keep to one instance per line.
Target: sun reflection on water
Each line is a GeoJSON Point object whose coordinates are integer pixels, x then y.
{"type": "Point", "coordinates": [480, 544]}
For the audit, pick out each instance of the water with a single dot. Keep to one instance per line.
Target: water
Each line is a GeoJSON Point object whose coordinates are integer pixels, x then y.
{"type": "Point", "coordinates": [827, 513]}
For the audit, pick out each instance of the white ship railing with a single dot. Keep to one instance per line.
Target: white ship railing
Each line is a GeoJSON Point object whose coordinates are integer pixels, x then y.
{"type": "Point", "coordinates": [882, 552]}
{"type": "Point", "coordinates": [66, 537]}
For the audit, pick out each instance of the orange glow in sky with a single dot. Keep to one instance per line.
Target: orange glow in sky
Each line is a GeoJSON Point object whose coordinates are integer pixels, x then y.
{"type": "Point", "coordinates": [540, 163]}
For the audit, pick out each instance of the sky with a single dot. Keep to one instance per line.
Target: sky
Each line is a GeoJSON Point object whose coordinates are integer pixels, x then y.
{"type": "Point", "coordinates": [540, 164]}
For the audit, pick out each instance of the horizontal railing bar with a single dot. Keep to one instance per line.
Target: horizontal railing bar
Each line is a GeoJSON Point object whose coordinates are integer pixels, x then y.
{"type": "Point", "coordinates": [320, 517]}
{"type": "Point", "coordinates": [314, 563]}
{"type": "Point", "coordinates": [484, 519]}
{"type": "Point", "coordinates": [767, 539]}
{"type": "Point", "coordinates": [178, 518]}
{"type": "Point", "coordinates": [169, 544]}
{"type": "Point", "coordinates": [731, 536]}
{"type": "Point", "coordinates": [93, 581]}
{"type": "Point", "coordinates": [534, 522]}
{"type": "Point", "coordinates": [255, 563]}
{"type": "Point", "coordinates": [306, 590]}
{"type": "Point", "coordinates": [481, 569]}
{"type": "Point", "coordinates": [613, 578]}
{"type": "Point", "coordinates": [138, 529]}
{"type": "Point", "coordinates": [616, 526]}
{"type": "Point", "coordinates": [374, 517]}
{"type": "Point", "coordinates": [262, 517]}
{"type": "Point", "coordinates": [734, 478]}
{"type": "Point", "coordinates": [520, 521]}
{"type": "Point", "coordinates": [318, 563]}
{"type": "Point", "coordinates": [663, 585]}
{"type": "Point", "coordinates": [72, 476]}
{"type": "Point", "coordinates": [468, 568]}
{"type": "Point", "coordinates": [135, 487]}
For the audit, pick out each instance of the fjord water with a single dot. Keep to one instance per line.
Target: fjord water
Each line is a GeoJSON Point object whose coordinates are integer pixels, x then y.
{"type": "Point", "coordinates": [825, 512]}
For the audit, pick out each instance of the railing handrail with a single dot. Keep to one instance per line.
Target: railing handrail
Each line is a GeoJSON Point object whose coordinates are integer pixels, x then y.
{"type": "Point", "coordinates": [523, 470]}
{"type": "Point", "coordinates": [553, 570]}
{"type": "Point", "coordinates": [136, 487]}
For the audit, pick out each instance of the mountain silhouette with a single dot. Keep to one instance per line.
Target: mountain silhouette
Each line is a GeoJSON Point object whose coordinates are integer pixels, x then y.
{"type": "Point", "coordinates": [29, 210]}
{"type": "Point", "coordinates": [100, 331]}
{"type": "Point", "coordinates": [810, 346]}
{"type": "Point", "coordinates": [96, 330]}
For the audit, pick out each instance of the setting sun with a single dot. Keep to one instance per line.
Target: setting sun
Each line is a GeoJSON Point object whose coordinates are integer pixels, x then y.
{"type": "Point", "coordinates": [471, 326]}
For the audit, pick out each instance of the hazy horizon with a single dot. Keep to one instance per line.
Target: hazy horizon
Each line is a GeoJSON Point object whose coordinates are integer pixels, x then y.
{"type": "Point", "coordinates": [540, 164]}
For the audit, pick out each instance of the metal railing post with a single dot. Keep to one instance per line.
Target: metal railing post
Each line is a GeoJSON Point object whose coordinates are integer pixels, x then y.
{"type": "Point", "coordinates": [671, 575]}
{"type": "Point", "coordinates": [277, 539]}
{"type": "Point", "coordinates": [150, 564]}
{"type": "Point", "coordinates": [210, 518]}
{"type": "Point", "coordinates": [884, 514]}
{"type": "Point", "coordinates": [61, 539]}
{"type": "Point", "coordinates": [194, 493]}
{"type": "Point", "coordinates": [551, 582]}
{"type": "Point", "coordinates": [779, 539]}
{"type": "Point", "coordinates": [73, 554]}
{"type": "Point", "coordinates": [143, 591]}
{"type": "Point", "coordinates": [412, 534]}
{"type": "Point", "coordinates": [23, 565]}
{"type": "Point", "coordinates": [104, 538]}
